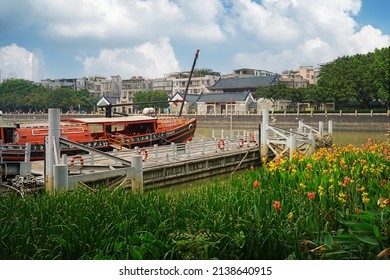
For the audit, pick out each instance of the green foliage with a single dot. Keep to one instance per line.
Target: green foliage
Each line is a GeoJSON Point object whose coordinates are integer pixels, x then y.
{"type": "Point", "coordinates": [154, 99]}
{"type": "Point", "coordinates": [26, 96]}
{"type": "Point", "coordinates": [331, 205]}
{"type": "Point", "coordinates": [360, 78]}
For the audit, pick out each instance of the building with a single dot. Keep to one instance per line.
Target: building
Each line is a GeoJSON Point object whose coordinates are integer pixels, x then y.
{"type": "Point", "coordinates": [249, 72]}
{"type": "Point", "coordinates": [200, 81]}
{"type": "Point", "coordinates": [128, 88]}
{"type": "Point", "coordinates": [163, 85]}
{"type": "Point", "coordinates": [75, 83]}
{"type": "Point", "coordinates": [214, 103]}
{"type": "Point", "coordinates": [243, 84]}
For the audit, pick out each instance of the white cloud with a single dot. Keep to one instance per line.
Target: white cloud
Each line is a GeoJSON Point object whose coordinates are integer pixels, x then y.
{"type": "Point", "coordinates": [148, 60]}
{"type": "Point", "coordinates": [17, 62]}
{"type": "Point", "coordinates": [129, 20]}
{"type": "Point", "coordinates": [122, 36]}
{"type": "Point", "coordinates": [289, 33]}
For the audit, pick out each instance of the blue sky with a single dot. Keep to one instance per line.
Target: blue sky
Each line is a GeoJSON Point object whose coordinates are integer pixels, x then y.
{"type": "Point", "coordinates": [42, 39]}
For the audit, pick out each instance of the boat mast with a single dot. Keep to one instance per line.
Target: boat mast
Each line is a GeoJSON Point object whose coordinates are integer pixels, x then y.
{"type": "Point", "coordinates": [188, 83]}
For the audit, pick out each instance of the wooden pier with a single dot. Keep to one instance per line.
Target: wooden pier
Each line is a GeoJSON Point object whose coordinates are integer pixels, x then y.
{"type": "Point", "coordinates": [162, 166]}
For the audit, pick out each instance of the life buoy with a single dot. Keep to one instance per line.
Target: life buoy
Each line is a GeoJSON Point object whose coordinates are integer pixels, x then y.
{"type": "Point", "coordinates": [145, 154]}
{"type": "Point", "coordinates": [190, 126]}
{"type": "Point", "coordinates": [241, 142]}
{"type": "Point", "coordinates": [221, 144]}
{"type": "Point", "coordinates": [251, 137]}
{"type": "Point", "coordinates": [81, 160]}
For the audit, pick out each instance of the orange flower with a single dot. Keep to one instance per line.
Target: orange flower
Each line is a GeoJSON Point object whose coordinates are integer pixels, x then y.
{"type": "Point", "coordinates": [256, 184]}
{"type": "Point", "coordinates": [277, 205]}
{"type": "Point", "coordinates": [346, 181]}
{"type": "Point", "coordinates": [308, 176]}
{"type": "Point", "coordinates": [308, 166]}
{"type": "Point", "coordinates": [311, 195]}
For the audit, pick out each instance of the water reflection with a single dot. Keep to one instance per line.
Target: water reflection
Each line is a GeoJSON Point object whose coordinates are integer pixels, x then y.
{"type": "Point", "coordinates": [340, 137]}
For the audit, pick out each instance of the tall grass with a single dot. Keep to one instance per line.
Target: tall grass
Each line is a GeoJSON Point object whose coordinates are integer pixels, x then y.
{"type": "Point", "coordinates": [333, 205]}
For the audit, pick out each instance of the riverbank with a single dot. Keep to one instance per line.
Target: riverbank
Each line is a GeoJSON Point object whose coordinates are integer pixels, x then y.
{"type": "Point", "coordinates": [341, 121]}
{"type": "Point", "coordinates": [375, 122]}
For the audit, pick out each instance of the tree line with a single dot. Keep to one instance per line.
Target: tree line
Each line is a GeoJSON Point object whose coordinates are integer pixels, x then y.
{"type": "Point", "coordinates": [360, 81]}
{"type": "Point", "coordinates": [27, 96]}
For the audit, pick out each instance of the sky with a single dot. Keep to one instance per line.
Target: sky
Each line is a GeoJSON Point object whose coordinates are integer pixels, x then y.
{"type": "Point", "coordinates": [46, 39]}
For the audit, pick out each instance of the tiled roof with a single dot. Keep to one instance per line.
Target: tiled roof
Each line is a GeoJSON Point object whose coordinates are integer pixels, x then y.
{"type": "Point", "coordinates": [190, 98]}
{"type": "Point", "coordinates": [224, 97]}
{"type": "Point", "coordinates": [244, 82]}
{"type": "Point", "coordinates": [107, 100]}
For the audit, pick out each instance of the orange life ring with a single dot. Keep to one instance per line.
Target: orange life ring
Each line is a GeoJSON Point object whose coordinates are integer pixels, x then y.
{"type": "Point", "coordinates": [241, 142]}
{"type": "Point", "coordinates": [81, 160]}
{"type": "Point", "coordinates": [145, 152]}
{"type": "Point", "coordinates": [221, 144]}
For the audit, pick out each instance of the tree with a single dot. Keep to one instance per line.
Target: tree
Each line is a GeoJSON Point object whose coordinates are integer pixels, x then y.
{"type": "Point", "coordinates": [155, 99]}
{"type": "Point", "coordinates": [381, 73]}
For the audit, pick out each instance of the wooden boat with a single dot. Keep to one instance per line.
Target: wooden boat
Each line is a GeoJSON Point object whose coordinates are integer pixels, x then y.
{"type": "Point", "coordinates": [100, 132]}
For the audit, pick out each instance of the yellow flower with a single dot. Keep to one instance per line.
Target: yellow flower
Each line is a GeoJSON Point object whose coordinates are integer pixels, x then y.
{"type": "Point", "coordinates": [342, 197]}
{"type": "Point", "coordinates": [321, 191]}
{"type": "Point", "coordinates": [290, 215]}
{"type": "Point", "coordinates": [365, 200]}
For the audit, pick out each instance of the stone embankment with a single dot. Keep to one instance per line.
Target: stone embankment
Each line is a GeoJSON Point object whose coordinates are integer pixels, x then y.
{"type": "Point", "coordinates": [343, 121]}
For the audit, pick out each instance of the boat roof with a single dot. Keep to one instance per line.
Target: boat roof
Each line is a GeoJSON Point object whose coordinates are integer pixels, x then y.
{"type": "Point", "coordinates": [126, 119]}
{"type": "Point", "coordinates": [6, 124]}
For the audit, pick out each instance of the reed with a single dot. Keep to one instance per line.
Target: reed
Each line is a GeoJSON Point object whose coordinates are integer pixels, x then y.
{"type": "Point", "coordinates": [332, 205]}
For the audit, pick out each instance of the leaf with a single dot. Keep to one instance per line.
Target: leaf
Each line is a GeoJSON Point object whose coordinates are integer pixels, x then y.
{"type": "Point", "coordinates": [239, 239]}
{"type": "Point", "coordinates": [377, 232]}
{"type": "Point", "coordinates": [384, 253]}
{"type": "Point", "coordinates": [367, 239]}
{"type": "Point", "coordinates": [135, 254]}
{"type": "Point", "coordinates": [328, 241]}
{"type": "Point", "coordinates": [357, 225]}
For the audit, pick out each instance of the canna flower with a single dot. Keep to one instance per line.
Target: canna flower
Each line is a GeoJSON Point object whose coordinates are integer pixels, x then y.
{"type": "Point", "coordinates": [346, 181]}
{"type": "Point", "coordinates": [256, 184]}
{"type": "Point", "coordinates": [342, 197]}
{"type": "Point", "coordinates": [277, 205]}
{"type": "Point", "coordinates": [321, 191]}
{"type": "Point", "coordinates": [365, 198]}
{"type": "Point", "coordinates": [382, 202]}
{"type": "Point", "coordinates": [311, 195]}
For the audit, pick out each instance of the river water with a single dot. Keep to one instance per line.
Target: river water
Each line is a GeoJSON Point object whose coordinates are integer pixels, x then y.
{"type": "Point", "coordinates": [340, 137]}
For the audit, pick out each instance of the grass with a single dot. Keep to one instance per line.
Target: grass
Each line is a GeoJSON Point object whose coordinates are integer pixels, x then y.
{"type": "Point", "coordinates": [332, 205]}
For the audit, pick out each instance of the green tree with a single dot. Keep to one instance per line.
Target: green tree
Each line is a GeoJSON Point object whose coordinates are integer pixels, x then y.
{"type": "Point", "coordinates": [381, 74]}
{"type": "Point", "coordinates": [155, 99]}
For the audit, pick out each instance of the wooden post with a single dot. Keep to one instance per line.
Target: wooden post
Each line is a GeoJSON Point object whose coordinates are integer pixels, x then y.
{"type": "Point", "coordinates": [52, 148]}
{"type": "Point", "coordinates": [137, 181]}
{"type": "Point", "coordinates": [330, 129]}
{"type": "Point", "coordinates": [320, 130]}
{"type": "Point", "coordinates": [27, 152]}
{"type": "Point", "coordinates": [292, 145]}
{"type": "Point", "coordinates": [155, 149]}
{"type": "Point", "coordinates": [264, 134]}
{"type": "Point", "coordinates": [300, 126]}
{"type": "Point", "coordinates": [312, 144]}
{"type": "Point", "coordinates": [60, 172]}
